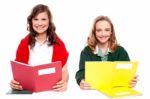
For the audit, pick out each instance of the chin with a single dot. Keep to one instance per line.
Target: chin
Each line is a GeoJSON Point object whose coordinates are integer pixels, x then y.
{"type": "Point", "coordinates": [40, 32]}
{"type": "Point", "coordinates": [103, 41]}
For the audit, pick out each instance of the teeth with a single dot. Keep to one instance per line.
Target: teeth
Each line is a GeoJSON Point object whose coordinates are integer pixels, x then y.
{"type": "Point", "coordinates": [103, 37]}
{"type": "Point", "coordinates": [39, 27]}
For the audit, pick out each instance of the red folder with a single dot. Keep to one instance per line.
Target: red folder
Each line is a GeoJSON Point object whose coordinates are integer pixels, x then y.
{"type": "Point", "coordinates": [37, 78]}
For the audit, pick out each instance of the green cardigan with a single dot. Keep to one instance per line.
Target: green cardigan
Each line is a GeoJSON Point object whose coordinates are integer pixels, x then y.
{"type": "Point", "coordinates": [87, 55]}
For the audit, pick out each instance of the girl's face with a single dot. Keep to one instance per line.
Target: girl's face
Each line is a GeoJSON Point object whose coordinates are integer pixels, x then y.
{"type": "Point", "coordinates": [40, 23]}
{"type": "Point", "coordinates": [103, 31]}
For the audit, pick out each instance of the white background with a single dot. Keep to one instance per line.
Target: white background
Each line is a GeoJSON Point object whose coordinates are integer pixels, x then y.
{"type": "Point", "coordinates": [73, 20]}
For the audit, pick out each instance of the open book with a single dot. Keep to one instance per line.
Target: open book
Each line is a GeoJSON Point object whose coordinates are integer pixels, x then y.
{"type": "Point", "coordinates": [111, 78]}
{"type": "Point", "coordinates": [37, 78]}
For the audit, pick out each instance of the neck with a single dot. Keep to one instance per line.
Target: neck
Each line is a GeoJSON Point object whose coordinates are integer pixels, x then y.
{"type": "Point", "coordinates": [103, 46]}
{"type": "Point", "coordinates": [41, 37]}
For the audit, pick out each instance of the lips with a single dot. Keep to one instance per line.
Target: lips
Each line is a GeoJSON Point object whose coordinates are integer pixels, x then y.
{"type": "Point", "coordinates": [39, 27]}
{"type": "Point", "coordinates": [104, 37]}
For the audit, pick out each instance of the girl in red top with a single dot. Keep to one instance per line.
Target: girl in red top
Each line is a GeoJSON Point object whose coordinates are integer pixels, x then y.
{"type": "Point", "coordinates": [42, 45]}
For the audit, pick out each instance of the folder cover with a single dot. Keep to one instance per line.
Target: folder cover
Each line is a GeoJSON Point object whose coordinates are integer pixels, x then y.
{"type": "Point", "coordinates": [37, 78]}
{"type": "Point", "coordinates": [111, 78]}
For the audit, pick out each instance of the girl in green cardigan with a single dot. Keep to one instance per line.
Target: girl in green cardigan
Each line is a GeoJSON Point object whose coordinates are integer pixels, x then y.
{"type": "Point", "coordinates": [101, 46]}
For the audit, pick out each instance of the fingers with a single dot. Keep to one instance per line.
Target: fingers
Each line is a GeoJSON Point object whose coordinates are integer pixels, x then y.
{"type": "Point", "coordinates": [15, 85]}
{"type": "Point", "coordinates": [134, 81]}
{"type": "Point", "coordinates": [15, 82]}
{"type": "Point", "coordinates": [133, 84]}
{"type": "Point", "coordinates": [60, 86]}
{"type": "Point", "coordinates": [84, 85]}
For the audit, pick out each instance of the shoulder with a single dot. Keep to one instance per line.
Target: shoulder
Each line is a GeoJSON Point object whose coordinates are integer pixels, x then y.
{"type": "Point", "coordinates": [59, 45]}
{"type": "Point", "coordinates": [24, 41]}
{"type": "Point", "coordinates": [121, 54]}
{"type": "Point", "coordinates": [59, 41]}
{"type": "Point", "coordinates": [86, 50]}
{"type": "Point", "coordinates": [120, 49]}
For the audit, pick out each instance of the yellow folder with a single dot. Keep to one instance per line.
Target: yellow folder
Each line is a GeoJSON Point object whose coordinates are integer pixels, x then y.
{"type": "Point", "coordinates": [117, 92]}
{"type": "Point", "coordinates": [111, 78]}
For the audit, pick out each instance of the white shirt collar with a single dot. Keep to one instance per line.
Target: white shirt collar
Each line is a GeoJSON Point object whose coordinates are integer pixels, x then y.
{"type": "Point", "coordinates": [96, 51]}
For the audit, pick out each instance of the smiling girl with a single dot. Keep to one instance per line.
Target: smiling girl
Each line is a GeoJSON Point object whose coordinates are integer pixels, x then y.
{"type": "Point", "coordinates": [42, 45]}
{"type": "Point", "coordinates": [101, 46]}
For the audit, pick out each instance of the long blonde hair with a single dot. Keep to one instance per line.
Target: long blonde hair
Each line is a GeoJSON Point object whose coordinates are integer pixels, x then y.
{"type": "Point", "coordinates": [92, 41]}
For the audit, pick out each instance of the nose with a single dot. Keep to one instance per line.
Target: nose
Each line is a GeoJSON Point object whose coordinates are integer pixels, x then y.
{"type": "Point", "coordinates": [102, 32]}
{"type": "Point", "coordinates": [39, 22]}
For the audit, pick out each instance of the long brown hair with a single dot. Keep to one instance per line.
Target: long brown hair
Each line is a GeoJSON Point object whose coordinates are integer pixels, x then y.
{"type": "Point", "coordinates": [92, 41]}
{"type": "Point", "coordinates": [50, 31]}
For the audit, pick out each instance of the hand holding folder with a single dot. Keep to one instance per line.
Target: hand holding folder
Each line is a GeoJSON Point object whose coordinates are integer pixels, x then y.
{"type": "Point", "coordinates": [37, 78]}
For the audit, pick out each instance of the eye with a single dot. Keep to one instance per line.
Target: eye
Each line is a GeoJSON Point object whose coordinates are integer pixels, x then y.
{"type": "Point", "coordinates": [98, 30]}
{"type": "Point", "coordinates": [107, 29]}
{"type": "Point", "coordinates": [35, 19]}
{"type": "Point", "coordinates": [44, 19]}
